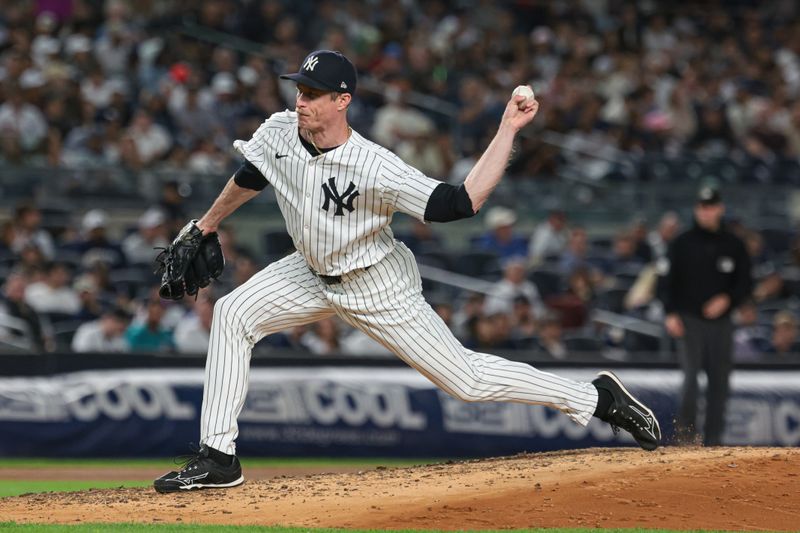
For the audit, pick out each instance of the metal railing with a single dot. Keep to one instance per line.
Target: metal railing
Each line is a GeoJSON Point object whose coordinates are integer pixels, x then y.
{"type": "Point", "coordinates": [14, 334]}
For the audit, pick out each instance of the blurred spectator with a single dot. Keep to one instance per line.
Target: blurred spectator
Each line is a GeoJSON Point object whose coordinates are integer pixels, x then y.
{"type": "Point", "coordinates": [550, 340]}
{"type": "Point", "coordinates": [660, 238]}
{"type": "Point", "coordinates": [473, 307]}
{"type": "Point", "coordinates": [445, 312]}
{"type": "Point", "coordinates": [643, 290]}
{"type": "Point", "coordinates": [767, 279]}
{"type": "Point", "coordinates": [635, 78]}
{"type": "Point", "coordinates": [142, 246]}
{"type": "Point", "coordinates": [95, 246]}
{"type": "Point", "coordinates": [358, 343]}
{"type": "Point", "coordinates": [524, 323]}
{"type": "Point", "coordinates": [104, 335]}
{"type": "Point", "coordinates": [13, 304]}
{"type": "Point", "coordinates": [396, 121]}
{"type": "Point", "coordinates": [145, 141]}
{"type": "Point", "coordinates": [194, 120]}
{"type": "Point", "coordinates": [89, 147]}
{"type": "Point", "coordinates": [240, 264]}
{"type": "Point", "coordinates": [6, 238]}
{"type": "Point", "coordinates": [573, 306]}
{"type": "Point", "coordinates": [206, 158]}
{"type": "Point", "coordinates": [623, 254]}
{"type": "Point", "coordinates": [22, 126]}
{"type": "Point", "coordinates": [28, 229]}
{"type": "Point", "coordinates": [97, 281]}
{"type": "Point", "coordinates": [88, 293]}
{"type": "Point", "coordinates": [514, 284]}
{"type": "Point", "coordinates": [173, 204]}
{"type": "Point", "coordinates": [750, 339]}
{"type": "Point", "coordinates": [491, 331]}
{"type": "Point", "coordinates": [31, 259]}
{"type": "Point", "coordinates": [324, 338]}
{"type": "Point", "coordinates": [784, 335]}
{"type": "Point", "coordinates": [641, 248]}
{"type": "Point", "coordinates": [54, 294]}
{"type": "Point", "coordinates": [194, 329]}
{"type": "Point", "coordinates": [421, 238]}
{"type": "Point", "coordinates": [150, 335]}
{"type": "Point", "coordinates": [576, 255]}
{"type": "Point", "coordinates": [244, 268]}
{"type": "Point", "coordinates": [550, 238]}
{"type": "Point", "coordinates": [501, 238]}
{"type": "Point", "coordinates": [432, 153]}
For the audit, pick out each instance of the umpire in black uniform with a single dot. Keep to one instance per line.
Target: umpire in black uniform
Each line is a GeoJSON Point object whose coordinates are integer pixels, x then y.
{"type": "Point", "coordinates": [709, 276]}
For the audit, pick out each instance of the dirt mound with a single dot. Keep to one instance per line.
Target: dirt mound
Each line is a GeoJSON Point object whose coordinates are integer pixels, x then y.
{"type": "Point", "coordinates": [676, 488]}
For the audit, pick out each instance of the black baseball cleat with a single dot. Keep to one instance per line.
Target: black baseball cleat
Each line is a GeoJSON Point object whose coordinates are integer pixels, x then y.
{"type": "Point", "coordinates": [628, 413]}
{"type": "Point", "coordinates": [201, 472]}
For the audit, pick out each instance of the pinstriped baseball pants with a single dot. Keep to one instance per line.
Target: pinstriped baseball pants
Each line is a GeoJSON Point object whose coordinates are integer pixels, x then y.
{"type": "Point", "coordinates": [386, 303]}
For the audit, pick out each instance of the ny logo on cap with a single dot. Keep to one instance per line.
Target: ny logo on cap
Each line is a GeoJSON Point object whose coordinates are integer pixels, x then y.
{"type": "Point", "coordinates": [342, 201]}
{"type": "Point", "coordinates": [310, 63]}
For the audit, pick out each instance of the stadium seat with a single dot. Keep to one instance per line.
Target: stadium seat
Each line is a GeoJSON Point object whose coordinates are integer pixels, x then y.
{"type": "Point", "coordinates": [547, 281]}
{"type": "Point", "coordinates": [131, 281]}
{"type": "Point", "coordinates": [778, 240]}
{"type": "Point", "coordinates": [439, 259]}
{"type": "Point", "coordinates": [612, 300]}
{"type": "Point", "coordinates": [277, 244]}
{"type": "Point", "coordinates": [582, 344]}
{"type": "Point", "coordinates": [485, 265]}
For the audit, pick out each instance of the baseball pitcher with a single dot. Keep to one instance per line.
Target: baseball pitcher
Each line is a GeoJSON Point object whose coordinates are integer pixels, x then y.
{"type": "Point", "coordinates": [338, 192]}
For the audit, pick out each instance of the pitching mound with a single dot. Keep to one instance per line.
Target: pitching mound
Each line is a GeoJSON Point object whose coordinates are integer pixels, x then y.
{"type": "Point", "coordinates": [674, 488]}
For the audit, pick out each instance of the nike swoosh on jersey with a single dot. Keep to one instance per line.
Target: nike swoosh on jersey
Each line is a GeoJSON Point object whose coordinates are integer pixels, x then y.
{"type": "Point", "coordinates": [279, 156]}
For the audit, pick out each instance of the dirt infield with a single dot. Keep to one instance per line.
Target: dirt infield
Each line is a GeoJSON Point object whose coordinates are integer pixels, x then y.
{"type": "Point", "coordinates": [674, 488]}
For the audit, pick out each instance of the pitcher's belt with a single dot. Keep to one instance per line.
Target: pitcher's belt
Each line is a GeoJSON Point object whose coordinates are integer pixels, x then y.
{"type": "Point", "coordinates": [333, 280]}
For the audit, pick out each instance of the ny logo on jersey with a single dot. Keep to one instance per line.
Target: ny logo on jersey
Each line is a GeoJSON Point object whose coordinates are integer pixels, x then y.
{"type": "Point", "coordinates": [343, 201]}
{"type": "Point", "coordinates": [310, 63]}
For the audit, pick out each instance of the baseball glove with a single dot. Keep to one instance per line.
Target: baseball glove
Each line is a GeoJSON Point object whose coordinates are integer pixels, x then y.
{"type": "Point", "coordinates": [190, 263]}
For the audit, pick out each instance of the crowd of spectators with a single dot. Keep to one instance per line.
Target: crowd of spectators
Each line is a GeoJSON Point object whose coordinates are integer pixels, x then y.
{"type": "Point", "coordinates": [87, 287]}
{"type": "Point", "coordinates": [123, 85]}
{"type": "Point", "coordinates": [91, 84]}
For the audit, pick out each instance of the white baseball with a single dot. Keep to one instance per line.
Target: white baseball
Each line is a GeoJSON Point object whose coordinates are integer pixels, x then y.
{"type": "Point", "coordinates": [524, 90]}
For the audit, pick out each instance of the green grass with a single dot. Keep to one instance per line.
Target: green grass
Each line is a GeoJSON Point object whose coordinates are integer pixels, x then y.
{"type": "Point", "coordinates": [246, 461]}
{"type": "Point", "coordinates": [187, 528]}
{"type": "Point", "coordinates": [15, 488]}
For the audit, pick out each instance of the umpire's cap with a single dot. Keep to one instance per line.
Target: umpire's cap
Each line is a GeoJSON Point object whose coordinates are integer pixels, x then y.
{"type": "Point", "coordinates": [326, 70]}
{"type": "Point", "coordinates": [709, 195]}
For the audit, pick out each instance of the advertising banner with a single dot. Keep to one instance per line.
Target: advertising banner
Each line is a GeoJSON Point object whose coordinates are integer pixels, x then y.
{"type": "Point", "coordinates": [347, 411]}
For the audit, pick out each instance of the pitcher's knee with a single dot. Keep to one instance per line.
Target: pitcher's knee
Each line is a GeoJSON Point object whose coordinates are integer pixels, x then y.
{"type": "Point", "coordinates": [467, 391]}
{"type": "Point", "coordinates": [226, 314]}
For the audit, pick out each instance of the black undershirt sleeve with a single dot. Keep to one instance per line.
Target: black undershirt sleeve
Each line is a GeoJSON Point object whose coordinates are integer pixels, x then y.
{"type": "Point", "coordinates": [249, 177]}
{"type": "Point", "coordinates": [447, 203]}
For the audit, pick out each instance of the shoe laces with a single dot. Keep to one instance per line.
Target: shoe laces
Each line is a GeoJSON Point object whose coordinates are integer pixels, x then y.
{"type": "Point", "coordinates": [624, 419]}
{"type": "Point", "coordinates": [185, 462]}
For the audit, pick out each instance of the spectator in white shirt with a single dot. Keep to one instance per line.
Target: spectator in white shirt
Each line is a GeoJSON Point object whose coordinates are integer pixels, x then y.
{"type": "Point", "coordinates": [53, 294]}
{"type": "Point", "coordinates": [105, 334]}
{"type": "Point", "coordinates": [549, 238]}
{"type": "Point", "coordinates": [27, 230]}
{"type": "Point", "coordinates": [660, 238]}
{"type": "Point", "coordinates": [514, 284]}
{"type": "Point", "coordinates": [141, 247]}
{"type": "Point", "coordinates": [396, 121]}
{"type": "Point", "coordinates": [150, 141]}
{"type": "Point", "coordinates": [23, 127]}
{"type": "Point", "coordinates": [193, 330]}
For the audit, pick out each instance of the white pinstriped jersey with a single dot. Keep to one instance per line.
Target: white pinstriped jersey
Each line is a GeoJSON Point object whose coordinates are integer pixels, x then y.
{"type": "Point", "coordinates": [337, 205]}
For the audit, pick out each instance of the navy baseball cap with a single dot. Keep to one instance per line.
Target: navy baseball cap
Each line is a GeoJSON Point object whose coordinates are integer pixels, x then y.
{"type": "Point", "coordinates": [326, 70]}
